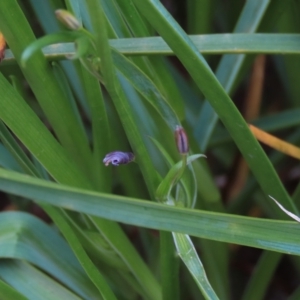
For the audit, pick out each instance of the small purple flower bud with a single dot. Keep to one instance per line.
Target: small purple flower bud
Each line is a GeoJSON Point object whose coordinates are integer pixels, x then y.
{"type": "Point", "coordinates": [117, 158]}
{"type": "Point", "coordinates": [67, 19]}
{"type": "Point", "coordinates": [181, 140]}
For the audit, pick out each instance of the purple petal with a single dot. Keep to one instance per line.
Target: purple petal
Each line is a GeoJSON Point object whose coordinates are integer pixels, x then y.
{"type": "Point", "coordinates": [117, 158]}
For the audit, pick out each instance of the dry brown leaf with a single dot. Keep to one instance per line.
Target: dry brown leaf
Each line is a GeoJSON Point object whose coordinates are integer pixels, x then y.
{"type": "Point", "coordinates": [275, 142]}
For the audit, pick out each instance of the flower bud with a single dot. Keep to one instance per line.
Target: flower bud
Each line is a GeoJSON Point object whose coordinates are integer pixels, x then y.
{"type": "Point", "coordinates": [117, 158]}
{"type": "Point", "coordinates": [181, 140]}
{"type": "Point", "coordinates": [67, 19]}
{"type": "Point", "coordinates": [2, 46]}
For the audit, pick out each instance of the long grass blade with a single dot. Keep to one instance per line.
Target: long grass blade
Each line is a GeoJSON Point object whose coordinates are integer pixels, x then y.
{"type": "Point", "coordinates": [252, 232]}
{"type": "Point", "coordinates": [189, 256]}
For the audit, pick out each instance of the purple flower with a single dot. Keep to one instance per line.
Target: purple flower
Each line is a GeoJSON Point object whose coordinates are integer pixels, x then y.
{"type": "Point", "coordinates": [117, 158]}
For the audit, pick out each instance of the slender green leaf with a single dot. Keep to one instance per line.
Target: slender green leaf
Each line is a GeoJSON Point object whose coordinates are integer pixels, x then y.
{"type": "Point", "coordinates": [189, 256]}
{"type": "Point", "coordinates": [61, 78]}
{"type": "Point", "coordinates": [7, 161]}
{"type": "Point", "coordinates": [16, 113]}
{"type": "Point", "coordinates": [282, 120]}
{"type": "Point", "coordinates": [206, 44]}
{"type": "Point", "coordinates": [213, 44]}
{"type": "Point", "coordinates": [146, 88]}
{"type": "Point", "coordinates": [100, 129]}
{"type": "Point", "coordinates": [252, 232]}
{"type": "Point", "coordinates": [25, 237]}
{"type": "Point", "coordinates": [91, 270]}
{"type": "Point", "coordinates": [199, 16]}
{"type": "Point", "coordinates": [113, 16]}
{"type": "Point", "coordinates": [32, 283]}
{"type": "Point", "coordinates": [9, 293]}
{"type": "Point", "coordinates": [128, 254]}
{"type": "Point", "coordinates": [169, 266]}
{"type": "Point", "coordinates": [262, 275]}
{"type": "Point", "coordinates": [16, 151]}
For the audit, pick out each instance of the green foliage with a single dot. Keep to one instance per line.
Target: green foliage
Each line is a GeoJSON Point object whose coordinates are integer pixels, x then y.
{"type": "Point", "coordinates": [98, 80]}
